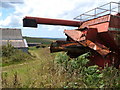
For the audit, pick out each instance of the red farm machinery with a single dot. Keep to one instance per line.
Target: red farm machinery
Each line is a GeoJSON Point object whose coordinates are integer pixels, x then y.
{"type": "Point", "coordinates": [98, 32]}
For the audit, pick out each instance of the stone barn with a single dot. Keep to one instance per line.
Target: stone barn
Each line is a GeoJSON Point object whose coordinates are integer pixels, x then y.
{"type": "Point", "coordinates": [14, 37]}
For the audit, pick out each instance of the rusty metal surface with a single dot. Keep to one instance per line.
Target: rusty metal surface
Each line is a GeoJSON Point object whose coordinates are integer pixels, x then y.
{"type": "Point", "coordinates": [109, 40]}
{"type": "Point", "coordinates": [65, 44]}
{"type": "Point", "coordinates": [73, 49]}
{"type": "Point", "coordinates": [86, 39]}
{"type": "Point", "coordinates": [98, 20]}
{"type": "Point", "coordinates": [115, 22]}
{"type": "Point", "coordinates": [101, 23]}
{"type": "Point", "coordinates": [49, 21]}
{"type": "Point", "coordinates": [101, 49]}
{"type": "Point", "coordinates": [75, 34]}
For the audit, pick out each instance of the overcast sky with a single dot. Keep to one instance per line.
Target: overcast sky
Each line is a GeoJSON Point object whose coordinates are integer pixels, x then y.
{"type": "Point", "coordinates": [13, 11]}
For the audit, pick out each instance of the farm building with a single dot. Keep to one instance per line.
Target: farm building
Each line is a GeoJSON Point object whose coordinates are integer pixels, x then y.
{"type": "Point", "coordinates": [14, 37]}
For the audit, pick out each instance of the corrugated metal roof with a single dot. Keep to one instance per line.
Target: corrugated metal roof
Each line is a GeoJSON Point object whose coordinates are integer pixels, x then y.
{"type": "Point", "coordinates": [11, 34]}
{"type": "Point", "coordinates": [14, 37]}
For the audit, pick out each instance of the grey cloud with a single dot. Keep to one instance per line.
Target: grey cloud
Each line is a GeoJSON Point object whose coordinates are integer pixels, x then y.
{"type": "Point", "coordinates": [10, 3]}
{"type": "Point", "coordinates": [17, 1]}
{"type": "Point", "coordinates": [6, 5]}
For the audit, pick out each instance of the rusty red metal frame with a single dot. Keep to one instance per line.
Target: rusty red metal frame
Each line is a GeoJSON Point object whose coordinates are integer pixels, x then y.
{"type": "Point", "coordinates": [97, 35]}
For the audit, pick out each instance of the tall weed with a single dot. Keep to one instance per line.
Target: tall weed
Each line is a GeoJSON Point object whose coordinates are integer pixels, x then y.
{"type": "Point", "coordinates": [83, 76]}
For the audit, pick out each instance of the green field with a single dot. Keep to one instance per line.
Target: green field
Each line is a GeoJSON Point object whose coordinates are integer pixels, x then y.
{"type": "Point", "coordinates": [45, 41]}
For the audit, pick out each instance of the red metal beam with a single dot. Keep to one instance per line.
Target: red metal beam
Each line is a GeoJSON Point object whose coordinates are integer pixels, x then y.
{"type": "Point", "coordinates": [49, 21]}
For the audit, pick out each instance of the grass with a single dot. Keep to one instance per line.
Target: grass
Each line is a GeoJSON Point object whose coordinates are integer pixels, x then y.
{"type": "Point", "coordinates": [39, 73]}
{"type": "Point", "coordinates": [10, 55]}
{"type": "Point", "coordinates": [43, 72]}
